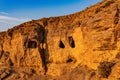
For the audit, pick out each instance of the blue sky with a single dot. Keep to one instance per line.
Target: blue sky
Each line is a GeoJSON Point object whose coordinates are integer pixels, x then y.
{"type": "Point", "coordinates": [14, 12]}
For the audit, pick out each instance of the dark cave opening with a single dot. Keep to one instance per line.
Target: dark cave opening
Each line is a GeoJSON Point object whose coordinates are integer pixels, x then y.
{"type": "Point", "coordinates": [32, 44]}
{"type": "Point", "coordinates": [69, 60]}
{"type": "Point", "coordinates": [61, 44]}
{"type": "Point", "coordinates": [71, 42]}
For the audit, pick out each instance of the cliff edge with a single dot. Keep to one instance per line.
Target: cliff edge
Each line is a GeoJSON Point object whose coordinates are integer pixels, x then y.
{"type": "Point", "coordinates": [80, 46]}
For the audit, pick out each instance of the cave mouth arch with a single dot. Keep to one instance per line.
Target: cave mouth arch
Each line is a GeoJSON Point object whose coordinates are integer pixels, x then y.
{"type": "Point", "coordinates": [61, 44]}
{"type": "Point", "coordinates": [32, 44]}
{"type": "Point", "coordinates": [71, 42]}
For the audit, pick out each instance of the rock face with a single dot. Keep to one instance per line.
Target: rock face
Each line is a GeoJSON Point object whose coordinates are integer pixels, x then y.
{"type": "Point", "coordinates": [80, 46]}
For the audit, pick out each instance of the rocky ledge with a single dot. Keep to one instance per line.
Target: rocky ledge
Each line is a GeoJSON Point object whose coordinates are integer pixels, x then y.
{"type": "Point", "coordinates": [80, 46]}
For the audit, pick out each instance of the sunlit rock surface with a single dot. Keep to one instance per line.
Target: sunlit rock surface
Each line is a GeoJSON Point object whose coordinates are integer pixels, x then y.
{"type": "Point", "coordinates": [80, 46]}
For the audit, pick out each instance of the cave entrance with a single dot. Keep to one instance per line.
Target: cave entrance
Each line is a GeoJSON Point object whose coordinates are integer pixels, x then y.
{"type": "Point", "coordinates": [61, 44]}
{"type": "Point", "coordinates": [32, 44]}
{"type": "Point", "coordinates": [71, 42]}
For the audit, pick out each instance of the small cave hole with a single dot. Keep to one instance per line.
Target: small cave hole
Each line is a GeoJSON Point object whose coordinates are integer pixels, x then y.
{"type": "Point", "coordinates": [71, 42]}
{"type": "Point", "coordinates": [61, 44]}
{"type": "Point", "coordinates": [69, 60]}
{"type": "Point", "coordinates": [32, 44]}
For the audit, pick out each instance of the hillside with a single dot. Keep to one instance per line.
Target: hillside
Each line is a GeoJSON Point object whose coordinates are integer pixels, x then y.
{"type": "Point", "coordinates": [80, 46]}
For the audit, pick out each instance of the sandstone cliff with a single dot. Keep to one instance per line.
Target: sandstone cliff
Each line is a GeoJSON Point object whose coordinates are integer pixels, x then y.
{"type": "Point", "coordinates": [80, 46]}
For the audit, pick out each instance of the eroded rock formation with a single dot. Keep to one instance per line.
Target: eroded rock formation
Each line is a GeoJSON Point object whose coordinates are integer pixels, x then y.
{"type": "Point", "coordinates": [80, 46]}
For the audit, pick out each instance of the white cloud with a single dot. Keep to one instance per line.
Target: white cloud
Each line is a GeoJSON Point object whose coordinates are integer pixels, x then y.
{"type": "Point", "coordinates": [8, 22]}
{"type": "Point", "coordinates": [4, 13]}
{"type": "Point", "coordinates": [3, 21]}
{"type": "Point", "coordinates": [12, 18]}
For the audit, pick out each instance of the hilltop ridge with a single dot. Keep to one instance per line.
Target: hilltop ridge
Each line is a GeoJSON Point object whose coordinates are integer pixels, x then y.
{"type": "Point", "coordinates": [80, 46]}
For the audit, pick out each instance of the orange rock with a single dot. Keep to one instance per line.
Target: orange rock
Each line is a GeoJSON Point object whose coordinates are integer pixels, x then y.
{"type": "Point", "coordinates": [66, 47]}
